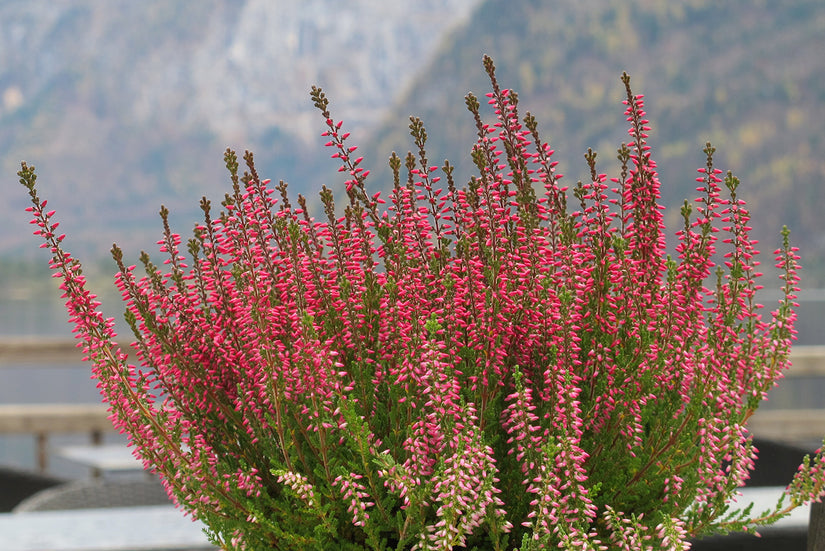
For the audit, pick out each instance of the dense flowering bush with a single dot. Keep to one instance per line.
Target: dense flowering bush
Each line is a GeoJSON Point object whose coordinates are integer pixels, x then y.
{"type": "Point", "coordinates": [472, 366]}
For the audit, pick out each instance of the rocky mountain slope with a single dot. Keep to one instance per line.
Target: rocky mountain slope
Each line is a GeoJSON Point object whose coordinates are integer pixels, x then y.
{"type": "Point", "coordinates": [126, 105]}
{"type": "Point", "coordinates": [123, 106]}
{"type": "Point", "coordinates": [748, 76]}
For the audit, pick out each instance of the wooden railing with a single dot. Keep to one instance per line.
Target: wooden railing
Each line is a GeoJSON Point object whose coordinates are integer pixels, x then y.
{"type": "Point", "coordinates": [794, 425]}
{"type": "Point", "coordinates": [34, 350]}
{"type": "Point", "coordinates": [40, 420]}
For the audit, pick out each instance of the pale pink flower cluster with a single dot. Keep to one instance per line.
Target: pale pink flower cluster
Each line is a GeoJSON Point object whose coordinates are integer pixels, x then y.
{"type": "Point", "coordinates": [355, 495]}
{"type": "Point", "coordinates": [300, 485]}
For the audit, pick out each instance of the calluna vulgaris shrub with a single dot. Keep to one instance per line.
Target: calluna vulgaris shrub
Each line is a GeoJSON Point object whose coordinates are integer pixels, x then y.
{"type": "Point", "coordinates": [483, 366]}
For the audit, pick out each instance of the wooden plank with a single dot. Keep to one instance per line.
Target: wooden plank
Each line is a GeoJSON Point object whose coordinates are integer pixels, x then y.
{"type": "Point", "coordinates": [807, 361]}
{"type": "Point", "coordinates": [31, 350]}
{"type": "Point", "coordinates": [789, 425]}
{"type": "Point", "coordinates": [58, 351]}
{"type": "Point", "coordinates": [51, 418]}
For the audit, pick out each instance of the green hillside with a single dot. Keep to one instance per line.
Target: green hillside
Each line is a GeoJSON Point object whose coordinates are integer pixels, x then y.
{"type": "Point", "coordinates": [747, 75]}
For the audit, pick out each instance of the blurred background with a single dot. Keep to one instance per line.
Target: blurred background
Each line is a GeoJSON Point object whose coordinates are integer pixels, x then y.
{"type": "Point", "coordinates": [123, 106]}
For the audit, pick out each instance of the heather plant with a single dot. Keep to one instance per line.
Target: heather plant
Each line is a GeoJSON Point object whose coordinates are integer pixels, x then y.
{"type": "Point", "coordinates": [507, 364]}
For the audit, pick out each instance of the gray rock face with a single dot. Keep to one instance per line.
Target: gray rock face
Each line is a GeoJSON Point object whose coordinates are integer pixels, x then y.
{"type": "Point", "coordinates": [125, 105]}
{"type": "Point", "coordinates": [237, 67]}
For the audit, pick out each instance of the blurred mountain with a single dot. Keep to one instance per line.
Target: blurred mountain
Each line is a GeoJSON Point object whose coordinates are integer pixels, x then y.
{"type": "Point", "coordinates": [125, 105]}
{"type": "Point", "coordinates": [747, 75]}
